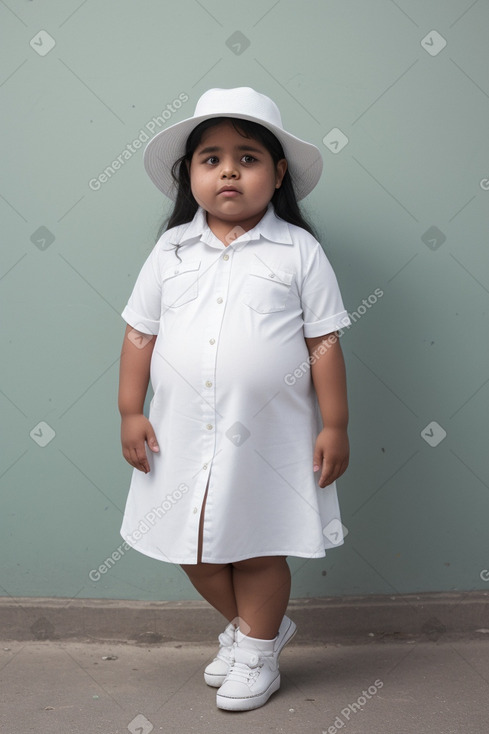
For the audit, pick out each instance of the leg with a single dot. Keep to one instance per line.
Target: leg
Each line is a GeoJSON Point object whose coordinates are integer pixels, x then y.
{"type": "Point", "coordinates": [262, 590]}
{"type": "Point", "coordinates": [213, 581]}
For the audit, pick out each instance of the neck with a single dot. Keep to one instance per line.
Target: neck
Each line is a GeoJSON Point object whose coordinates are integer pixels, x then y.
{"type": "Point", "coordinates": [227, 231]}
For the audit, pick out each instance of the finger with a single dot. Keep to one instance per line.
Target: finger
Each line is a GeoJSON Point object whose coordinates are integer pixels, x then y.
{"type": "Point", "coordinates": [140, 459]}
{"type": "Point", "coordinates": [317, 459]}
{"type": "Point", "coordinates": [130, 456]}
{"type": "Point", "coordinates": [152, 441]}
{"type": "Point", "coordinates": [133, 459]}
{"type": "Point", "coordinates": [325, 471]}
{"type": "Point", "coordinates": [339, 470]}
{"type": "Point", "coordinates": [329, 473]}
{"type": "Point", "coordinates": [127, 455]}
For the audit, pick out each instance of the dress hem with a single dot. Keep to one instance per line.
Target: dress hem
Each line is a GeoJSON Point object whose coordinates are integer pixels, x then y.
{"type": "Point", "coordinates": [205, 559]}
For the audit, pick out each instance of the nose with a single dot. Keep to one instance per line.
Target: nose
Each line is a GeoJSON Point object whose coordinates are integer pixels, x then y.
{"type": "Point", "coordinates": [229, 170]}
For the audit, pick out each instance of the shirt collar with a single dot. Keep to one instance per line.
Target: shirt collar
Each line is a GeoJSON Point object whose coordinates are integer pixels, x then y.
{"type": "Point", "coordinates": [270, 227]}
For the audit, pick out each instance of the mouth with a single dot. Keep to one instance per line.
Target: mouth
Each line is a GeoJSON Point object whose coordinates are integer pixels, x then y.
{"type": "Point", "coordinates": [228, 191]}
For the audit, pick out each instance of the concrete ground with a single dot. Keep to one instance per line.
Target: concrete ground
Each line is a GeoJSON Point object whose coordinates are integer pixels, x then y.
{"type": "Point", "coordinates": [390, 686]}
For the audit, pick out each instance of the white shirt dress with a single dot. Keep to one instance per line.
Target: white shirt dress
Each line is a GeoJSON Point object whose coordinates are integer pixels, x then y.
{"type": "Point", "coordinates": [234, 406]}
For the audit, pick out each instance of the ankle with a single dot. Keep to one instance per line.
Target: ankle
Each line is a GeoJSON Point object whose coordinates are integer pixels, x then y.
{"type": "Point", "coordinates": [254, 643]}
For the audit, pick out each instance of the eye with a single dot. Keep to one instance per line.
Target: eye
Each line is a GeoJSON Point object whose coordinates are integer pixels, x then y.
{"type": "Point", "coordinates": [248, 159]}
{"type": "Point", "coordinates": [212, 159]}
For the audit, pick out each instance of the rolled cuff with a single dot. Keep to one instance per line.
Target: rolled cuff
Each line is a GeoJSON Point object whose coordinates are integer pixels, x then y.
{"type": "Point", "coordinates": [141, 323]}
{"type": "Point", "coordinates": [333, 323]}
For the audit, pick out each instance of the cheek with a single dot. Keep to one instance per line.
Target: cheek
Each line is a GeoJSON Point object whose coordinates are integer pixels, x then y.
{"type": "Point", "coordinates": [269, 183]}
{"type": "Point", "coordinates": [192, 172]}
{"type": "Point", "coordinates": [199, 174]}
{"type": "Point", "coordinates": [196, 180]}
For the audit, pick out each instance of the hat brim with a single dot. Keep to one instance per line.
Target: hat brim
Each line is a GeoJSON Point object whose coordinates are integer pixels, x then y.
{"type": "Point", "coordinates": [304, 160]}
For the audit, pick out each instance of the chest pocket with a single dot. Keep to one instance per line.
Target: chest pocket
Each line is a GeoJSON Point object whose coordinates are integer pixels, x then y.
{"type": "Point", "coordinates": [267, 289]}
{"type": "Point", "coordinates": [180, 284]}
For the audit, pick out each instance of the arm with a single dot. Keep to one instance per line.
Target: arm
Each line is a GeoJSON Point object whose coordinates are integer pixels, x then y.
{"type": "Point", "coordinates": [332, 450]}
{"type": "Point", "coordinates": [135, 360]}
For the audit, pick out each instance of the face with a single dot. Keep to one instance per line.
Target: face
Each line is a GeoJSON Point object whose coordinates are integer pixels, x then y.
{"type": "Point", "coordinates": [233, 178]}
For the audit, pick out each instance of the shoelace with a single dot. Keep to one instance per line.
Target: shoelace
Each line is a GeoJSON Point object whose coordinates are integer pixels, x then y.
{"type": "Point", "coordinates": [243, 673]}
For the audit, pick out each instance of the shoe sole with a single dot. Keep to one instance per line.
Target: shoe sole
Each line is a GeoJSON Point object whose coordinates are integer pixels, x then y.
{"type": "Point", "coordinates": [247, 704]}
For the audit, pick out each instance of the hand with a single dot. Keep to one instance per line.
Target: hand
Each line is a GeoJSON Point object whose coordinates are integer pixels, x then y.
{"type": "Point", "coordinates": [331, 454]}
{"type": "Point", "coordinates": [135, 430]}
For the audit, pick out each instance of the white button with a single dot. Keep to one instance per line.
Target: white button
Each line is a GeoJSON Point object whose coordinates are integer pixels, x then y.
{"type": "Point", "coordinates": [209, 426]}
{"type": "Point", "coordinates": [208, 383]}
{"type": "Point", "coordinates": [225, 257]}
{"type": "Point", "coordinates": [205, 466]}
{"type": "Point", "coordinates": [175, 272]}
{"type": "Point", "coordinates": [195, 510]}
{"type": "Point", "coordinates": [219, 300]}
{"type": "Point", "coordinates": [272, 275]}
{"type": "Point", "coordinates": [212, 341]}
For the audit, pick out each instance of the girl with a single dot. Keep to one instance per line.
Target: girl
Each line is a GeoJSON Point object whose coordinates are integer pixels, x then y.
{"type": "Point", "coordinates": [235, 317]}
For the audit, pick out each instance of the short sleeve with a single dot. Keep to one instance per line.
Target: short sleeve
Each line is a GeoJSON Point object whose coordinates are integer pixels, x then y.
{"type": "Point", "coordinates": [143, 309]}
{"type": "Point", "coordinates": [322, 305]}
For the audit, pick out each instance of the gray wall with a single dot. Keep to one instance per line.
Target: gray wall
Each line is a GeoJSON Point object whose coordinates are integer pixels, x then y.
{"type": "Point", "coordinates": [402, 207]}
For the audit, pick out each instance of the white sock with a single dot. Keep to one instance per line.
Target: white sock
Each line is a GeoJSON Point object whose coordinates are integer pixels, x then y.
{"type": "Point", "coordinates": [251, 643]}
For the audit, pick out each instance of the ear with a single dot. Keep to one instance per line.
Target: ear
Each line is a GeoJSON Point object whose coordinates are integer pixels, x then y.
{"type": "Point", "coordinates": [280, 169]}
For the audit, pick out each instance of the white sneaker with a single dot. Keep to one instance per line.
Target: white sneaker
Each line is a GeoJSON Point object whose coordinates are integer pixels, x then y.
{"type": "Point", "coordinates": [254, 674]}
{"type": "Point", "coordinates": [286, 632]}
{"type": "Point", "coordinates": [216, 671]}
{"type": "Point", "coordinates": [252, 678]}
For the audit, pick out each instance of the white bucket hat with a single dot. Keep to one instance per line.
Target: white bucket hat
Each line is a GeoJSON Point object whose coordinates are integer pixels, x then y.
{"type": "Point", "coordinates": [304, 159]}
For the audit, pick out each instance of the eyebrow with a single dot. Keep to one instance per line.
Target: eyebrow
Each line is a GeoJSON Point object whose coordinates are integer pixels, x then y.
{"type": "Point", "coordinates": [217, 149]}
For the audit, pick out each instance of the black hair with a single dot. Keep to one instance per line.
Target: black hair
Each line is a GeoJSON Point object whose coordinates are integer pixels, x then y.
{"type": "Point", "coordinates": [284, 200]}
